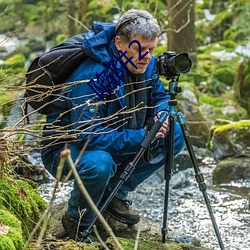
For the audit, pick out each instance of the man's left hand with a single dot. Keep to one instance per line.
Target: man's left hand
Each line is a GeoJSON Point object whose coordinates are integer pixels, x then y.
{"type": "Point", "coordinates": [164, 128]}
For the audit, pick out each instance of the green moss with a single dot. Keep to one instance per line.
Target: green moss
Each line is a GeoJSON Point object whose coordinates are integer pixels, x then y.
{"type": "Point", "coordinates": [219, 102]}
{"type": "Point", "coordinates": [236, 125]}
{"type": "Point", "coordinates": [9, 219]}
{"type": "Point", "coordinates": [228, 45]}
{"type": "Point", "coordinates": [212, 100]}
{"type": "Point", "coordinates": [238, 128]}
{"type": "Point", "coordinates": [16, 61]}
{"type": "Point", "coordinates": [16, 237]}
{"type": "Point", "coordinates": [13, 239]}
{"type": "Point", "coordinates": [13, 71]}
{"type": "Point", "coordinates": [128, 244]}
{"type": "Point", "coordinates": [6, 243]}
{"type": "Point", "coordinates": [22, 200]}
{"type": "Point", "coordinates": [225, 75]}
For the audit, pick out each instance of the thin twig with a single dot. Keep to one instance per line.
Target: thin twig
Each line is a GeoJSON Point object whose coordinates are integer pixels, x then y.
{"type": "Point", "coordinates": [66, 154]}
{"type": "Point", "coordinates": [45, 217]}
{"type": "Point", "coordinates": [99, 238]}
{"type": "Point", "coordinates": [137, 236]}
{"type": "Point", "coordinates": [77, 21]}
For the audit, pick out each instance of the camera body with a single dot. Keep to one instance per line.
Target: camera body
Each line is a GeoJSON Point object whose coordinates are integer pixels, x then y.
{"type": "Point", "coordinates": [171, 65]}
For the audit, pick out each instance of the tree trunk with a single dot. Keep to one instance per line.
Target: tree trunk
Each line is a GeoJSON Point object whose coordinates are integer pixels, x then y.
{"type": "Point", "coordinates": [72, 13]}
{"type": "Point", "coordinates": [181, 27]}
{"type": "Point", "coordinates": [83, 7]}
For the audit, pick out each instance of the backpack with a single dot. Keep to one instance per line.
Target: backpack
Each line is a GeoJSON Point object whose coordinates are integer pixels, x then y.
{"type": "Point", "coordinates": [47, 74]}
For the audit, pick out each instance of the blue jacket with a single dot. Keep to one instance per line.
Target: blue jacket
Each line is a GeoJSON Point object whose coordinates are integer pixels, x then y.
{"type": "Point", "coordinates": [88, 117]}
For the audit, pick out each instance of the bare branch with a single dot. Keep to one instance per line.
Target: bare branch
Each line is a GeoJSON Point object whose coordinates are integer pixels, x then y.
{"type": "Point", "coordinates": [66, 154]}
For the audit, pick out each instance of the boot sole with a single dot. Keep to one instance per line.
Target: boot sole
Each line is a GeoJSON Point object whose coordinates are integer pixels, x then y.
{"type": "Point", "coordinates": [121, 219]}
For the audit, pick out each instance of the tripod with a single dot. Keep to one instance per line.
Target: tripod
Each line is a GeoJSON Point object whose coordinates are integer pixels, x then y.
{"type": "Point", "coordinates": [129, 169]}
{"type": "Point", "coordinates": [169, 163]}
{"type": "Point", "coordinates": [173, 90]}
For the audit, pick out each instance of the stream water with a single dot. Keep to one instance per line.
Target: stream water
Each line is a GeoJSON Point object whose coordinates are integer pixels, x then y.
{"type": "Point", "coordinates": [187, 212]}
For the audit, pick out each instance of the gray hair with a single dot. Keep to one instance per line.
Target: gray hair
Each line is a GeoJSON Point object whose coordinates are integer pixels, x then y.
{"type": "Point", "coordinates": [137, 22]}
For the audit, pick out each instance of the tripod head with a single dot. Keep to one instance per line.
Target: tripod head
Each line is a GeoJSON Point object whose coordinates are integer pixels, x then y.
{"type": "Point", "coordinates": [174, 89]}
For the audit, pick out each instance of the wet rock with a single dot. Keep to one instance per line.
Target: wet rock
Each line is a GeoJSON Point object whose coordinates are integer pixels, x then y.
{"type": "Point", "coordinates": [31, 167]}
{"type": "Point", "coordinates": [231, 169]}
{"type": "Point", "coordinates": [181, 179]}
{"type": "Point", "coordinates": [232, 139]}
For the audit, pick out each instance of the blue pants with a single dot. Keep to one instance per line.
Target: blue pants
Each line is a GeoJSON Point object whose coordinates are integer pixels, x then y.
{"type": "Point", "coordinates": [99, 171]}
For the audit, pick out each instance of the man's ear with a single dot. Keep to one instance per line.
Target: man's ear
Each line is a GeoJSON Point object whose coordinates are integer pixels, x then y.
{"type": "Point", "coordinates": [118, 42]}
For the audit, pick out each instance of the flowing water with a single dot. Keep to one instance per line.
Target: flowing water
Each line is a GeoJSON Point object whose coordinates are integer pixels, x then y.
{"type": "Point", "coordinates": [187, 212]}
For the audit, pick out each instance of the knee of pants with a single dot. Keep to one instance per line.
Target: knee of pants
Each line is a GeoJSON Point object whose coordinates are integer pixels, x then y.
{"type": "Point", "coordinates": [98, 165]}
{"type": "Point", "coordinates": [179, 142]}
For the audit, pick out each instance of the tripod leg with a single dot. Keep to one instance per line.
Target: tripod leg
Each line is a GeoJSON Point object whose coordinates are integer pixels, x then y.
{"type": "Point", "coordinates": [129, 169]}
{"type": "Point", "coordinates": [168, 173]}
{"type": "Point", "coordinates": [199, 176]}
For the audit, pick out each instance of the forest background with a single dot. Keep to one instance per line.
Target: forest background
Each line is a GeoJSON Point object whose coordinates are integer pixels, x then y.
{"type": "Point", "coordinates": [214, 33]}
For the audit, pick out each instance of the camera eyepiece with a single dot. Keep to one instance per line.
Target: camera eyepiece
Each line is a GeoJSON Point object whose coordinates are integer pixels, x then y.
{"type": "Point", "coordinates": [170, 64]}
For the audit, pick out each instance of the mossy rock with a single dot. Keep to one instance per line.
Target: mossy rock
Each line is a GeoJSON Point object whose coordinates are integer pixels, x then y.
{"type": "Point", "coordinates": [22, 200]}
{"type": "Point", "coordinates": [225, 75]}
{"type": "Point", "coordinates": [128, 244]}
{"type": "Point", "coordinates": [231, 169]}
{"type": "Point", "coordinates": [10, 231]}
{"type": "Point", "coordinates": [219, 107]}
{"type": "Point", "coordinates": [150, 235]}
{"type": "Point", "coordinates": [232, 139]}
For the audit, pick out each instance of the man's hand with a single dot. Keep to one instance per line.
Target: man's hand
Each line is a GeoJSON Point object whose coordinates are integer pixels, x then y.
{"type": "Point", "coordinates": [164, 128]}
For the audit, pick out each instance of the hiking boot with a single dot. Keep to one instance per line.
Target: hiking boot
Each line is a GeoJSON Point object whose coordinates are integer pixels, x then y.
{"type": "Point", "coordinates": [75, 231]}
{"type": "Point", "coordinates": [121, 211]}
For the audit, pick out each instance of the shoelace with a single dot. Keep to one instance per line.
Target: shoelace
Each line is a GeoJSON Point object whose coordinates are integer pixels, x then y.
{"type": "Point", "coordinates": [127, 203]}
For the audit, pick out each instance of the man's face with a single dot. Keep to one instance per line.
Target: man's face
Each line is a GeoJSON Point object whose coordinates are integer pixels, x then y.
{"type": "Point", "coordinates": [137, 51]}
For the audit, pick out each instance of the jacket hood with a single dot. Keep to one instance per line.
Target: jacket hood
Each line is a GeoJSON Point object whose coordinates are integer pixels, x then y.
{"type": "Point", "coordinates": [98, 43]}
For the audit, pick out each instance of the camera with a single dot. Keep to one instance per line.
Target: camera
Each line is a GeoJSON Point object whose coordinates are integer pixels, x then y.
{"type": "Point", "coordinates": [171, 65]}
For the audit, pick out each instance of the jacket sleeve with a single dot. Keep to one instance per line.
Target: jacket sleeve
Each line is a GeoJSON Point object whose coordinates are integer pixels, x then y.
{"type": "Point", "coordinates": [88, 121]}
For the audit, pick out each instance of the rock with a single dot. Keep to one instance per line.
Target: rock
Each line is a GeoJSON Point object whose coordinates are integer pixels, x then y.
{"type": "Point", "coordinates": [229, 140]}
{"type": "Point", "coordinates": [231, 169]}
{"type": "Point", "coordinates": [197, 125]}
{"type": "Point", "coordinates": [188, 95]}
{"type": "Point", "coordinates": [181, 179]}
{"type": "Point", "coordinates": [149, 238]}
{"type": "Point", "coordinates": [227, 110]}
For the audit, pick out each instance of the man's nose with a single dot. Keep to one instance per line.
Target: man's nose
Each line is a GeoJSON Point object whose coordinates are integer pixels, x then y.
{"type": "Point", "coordinates": [147, 55]}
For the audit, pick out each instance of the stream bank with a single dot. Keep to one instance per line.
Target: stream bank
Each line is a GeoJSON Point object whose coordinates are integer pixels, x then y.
{"type": "Point", "coordinates": [188, 216]}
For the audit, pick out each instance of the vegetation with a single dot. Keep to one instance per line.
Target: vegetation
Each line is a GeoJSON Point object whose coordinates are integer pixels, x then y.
{"type": "Point", "coordinates": [214, 33]}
